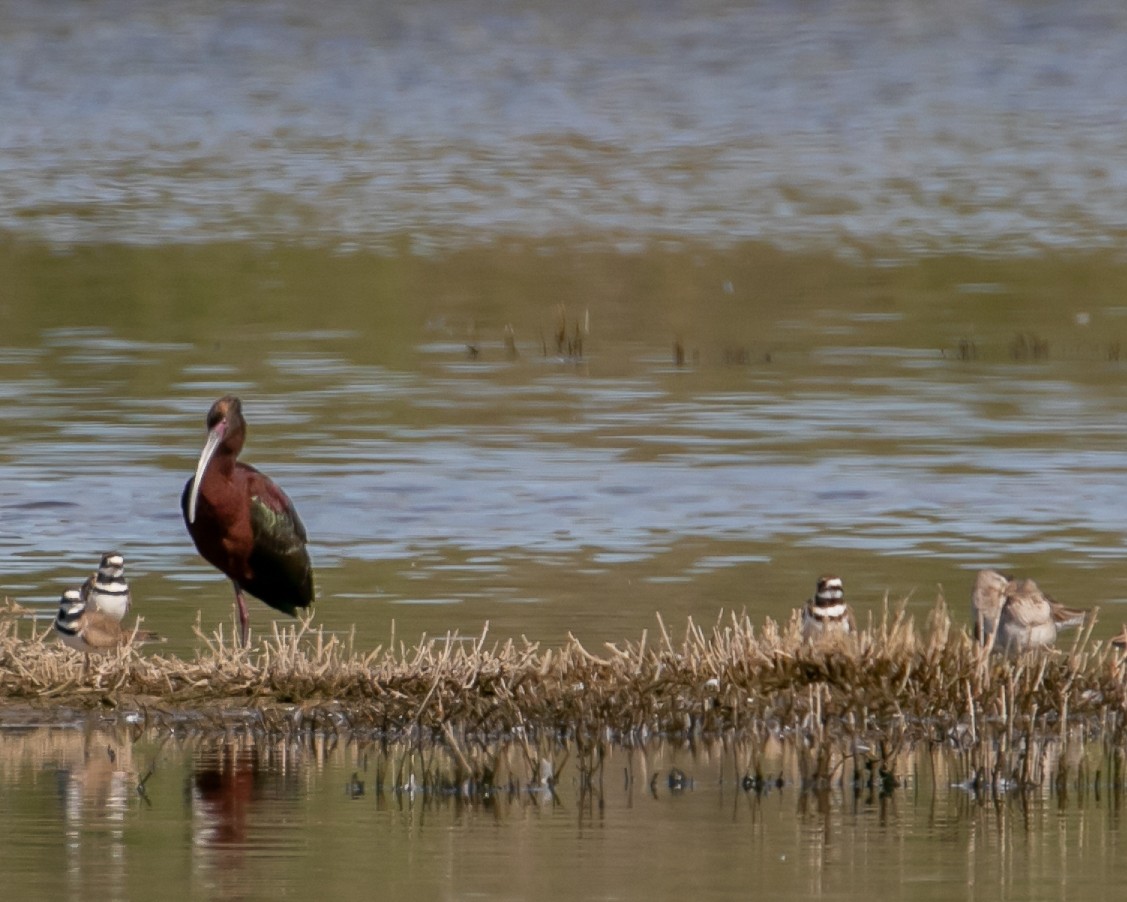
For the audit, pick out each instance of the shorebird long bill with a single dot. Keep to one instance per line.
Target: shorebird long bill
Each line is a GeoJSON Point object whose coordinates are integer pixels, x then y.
{"type": "Point", "coordinates": [242, 522]}
{"type": "Point", "coordinates": [214, 440]}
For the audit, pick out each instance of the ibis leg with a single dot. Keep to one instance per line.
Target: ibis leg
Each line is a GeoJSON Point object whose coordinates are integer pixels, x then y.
{"type": "Point", "coordinates": [244, 618]}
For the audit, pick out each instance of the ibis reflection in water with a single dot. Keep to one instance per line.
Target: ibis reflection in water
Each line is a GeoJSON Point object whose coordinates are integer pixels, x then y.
{"type": "Point", "coordinates": [244, 524]}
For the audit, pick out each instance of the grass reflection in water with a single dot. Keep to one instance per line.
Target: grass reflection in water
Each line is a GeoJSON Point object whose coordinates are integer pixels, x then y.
{"type": "Point", "coordinates": [478, 715]}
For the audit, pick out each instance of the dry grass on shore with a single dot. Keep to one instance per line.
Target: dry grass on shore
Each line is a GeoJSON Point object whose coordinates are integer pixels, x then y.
{"type": "Point", "coordinates": [924, 681]}
{"type": "Point", "coordinates": [895, 685]}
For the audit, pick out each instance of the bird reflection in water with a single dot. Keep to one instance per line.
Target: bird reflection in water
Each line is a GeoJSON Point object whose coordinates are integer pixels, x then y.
{"type": "Point", "coordinates": [241, 794]}
{"type": "Point", "coordinates": [224, 787]}
{"type": "Point", "coordinates": [95, 775]}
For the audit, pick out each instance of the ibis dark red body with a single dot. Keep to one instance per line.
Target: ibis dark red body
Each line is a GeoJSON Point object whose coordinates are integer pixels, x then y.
{"type": "Point", "coordinates": [243, 523]}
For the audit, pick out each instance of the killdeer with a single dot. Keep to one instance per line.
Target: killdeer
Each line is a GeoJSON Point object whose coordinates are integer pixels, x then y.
{"type": "Point", "coordinates": [107, 589]}
{"type": "Point", "coordinates": [85, 628]}
{"type": "Point", "coordinates": [827, 614]}
{"type": "Point", "coordinates": [1015, 615]}
{"type": "Point", "coordinates": [89, 630]}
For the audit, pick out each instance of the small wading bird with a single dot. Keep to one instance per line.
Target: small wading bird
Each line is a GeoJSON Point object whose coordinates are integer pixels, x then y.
{"type": "Point", "coordinates": [1120, 641]}
{"type": "Point", "coordinates": [243, 524]}
{"type": "Point", "coordinates": [1015, 615]}
{"type": "Point", "coordinates": [827, 614]}
{"type": "Point", "coordinates": [106, 590]}
{"type": "Point", "coordinates": [90, 630]}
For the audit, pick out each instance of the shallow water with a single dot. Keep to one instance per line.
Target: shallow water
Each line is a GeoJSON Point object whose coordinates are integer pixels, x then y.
{"type": "Point", "coordinates": [848, 283]}
{"type": "Point", "coordinates": [238, 817]}
{"type": "Point", "coordinates": [911, 126]}
{"type": "Point", "coordinates": [835, 421]}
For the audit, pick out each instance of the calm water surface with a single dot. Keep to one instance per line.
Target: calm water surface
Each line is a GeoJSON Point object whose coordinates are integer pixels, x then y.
{"type": "Point", "coordinates": [908, 125]}
{"type": "Point", "coordinates": [848, 282]}
{"type": "Point", "coordinates": [880, 422]}
{"type": "Point", "coordinates": [236, 818]}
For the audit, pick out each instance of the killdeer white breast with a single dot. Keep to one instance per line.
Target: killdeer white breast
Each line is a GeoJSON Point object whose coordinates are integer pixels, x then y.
{"type": "Point", "coordinates": [827, 614]}
{"type": "Point", "coordinates": [85, 628]}
{"type": "Point", "coordinates": [107, 590]}
{"type": "Point", "coordinates": [1015, 615]}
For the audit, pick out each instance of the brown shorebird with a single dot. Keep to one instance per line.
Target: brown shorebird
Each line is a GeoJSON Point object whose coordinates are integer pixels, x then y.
{"type": "Point", "coordinates": [243, 524]}
{"type": "Point", "coordinates": [1015, 615]}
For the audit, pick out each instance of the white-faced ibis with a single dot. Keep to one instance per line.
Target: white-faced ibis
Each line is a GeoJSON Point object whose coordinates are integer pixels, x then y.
{"type": "Point", "coordinates": [86, 628]}
{"type": "Point", "coordinates": [243, 524]}
{"type": "Point", "coordinates": [1015, 615]}
{"type": "Point", "coordinates": [827, 614]}
{"type": "Point", "coordinates": [107, 591]}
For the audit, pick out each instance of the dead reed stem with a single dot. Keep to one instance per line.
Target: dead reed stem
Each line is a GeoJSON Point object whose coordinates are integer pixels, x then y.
{"type": "Point", "coordinates": [892, 686]}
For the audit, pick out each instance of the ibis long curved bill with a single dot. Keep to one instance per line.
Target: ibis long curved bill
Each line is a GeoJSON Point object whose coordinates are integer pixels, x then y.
{"type": "Point", "coordinates": [214, 440]}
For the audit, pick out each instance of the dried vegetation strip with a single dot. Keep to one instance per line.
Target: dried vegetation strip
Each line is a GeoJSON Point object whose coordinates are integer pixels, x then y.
{"type": "Point", "coordinates": [895, 682]}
